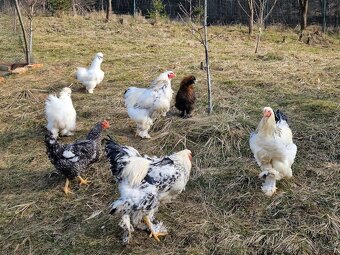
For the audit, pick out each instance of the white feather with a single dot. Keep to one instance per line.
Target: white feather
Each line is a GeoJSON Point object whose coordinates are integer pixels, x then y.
{"type": "Point", "coordinates": [68, 154]}
{"type": "Point", "coordinates": [135, 171]}
{"type": "Point", "coordinates": [144, 104]}
{"type": "Point", "coordinates": [92, 76]}
{"type": "Point", "coordinates": [274, 150]}
{"type": "Point", "coordinates": [75, 159]}
{"type": "Point", "coordinates": [60, 113]}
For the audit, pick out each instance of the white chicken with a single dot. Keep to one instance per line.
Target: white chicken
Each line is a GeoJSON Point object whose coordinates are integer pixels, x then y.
{"type": "Point", "coordinates": [144, 183]}
{"type": "Point", "coordinates": [144, 104]}
{"type": "Point", "coordinates": [273, 148]}
{"type": "Point", "coordinates": [93, 75]}
{"type": "Point", "coordinates": [60, 113]}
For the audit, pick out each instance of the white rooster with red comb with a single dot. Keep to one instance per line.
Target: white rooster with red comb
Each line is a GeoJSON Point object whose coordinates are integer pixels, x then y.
{"type": "Point", "coordinates": [273, 148]}
{"type": "Point", "coordinates": [144, 104]}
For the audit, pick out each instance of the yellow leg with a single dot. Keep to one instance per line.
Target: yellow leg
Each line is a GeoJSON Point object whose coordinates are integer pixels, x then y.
{"type": "Point", "coordinates": [82, 181]}
{"type": "Point", "coordinates": [153, 234]}
{"type": "Point", "coordinates": [66, 189]}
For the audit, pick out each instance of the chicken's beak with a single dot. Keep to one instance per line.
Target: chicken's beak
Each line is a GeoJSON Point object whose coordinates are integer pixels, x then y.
{"type": "Point", "coordinates": [267, 114]}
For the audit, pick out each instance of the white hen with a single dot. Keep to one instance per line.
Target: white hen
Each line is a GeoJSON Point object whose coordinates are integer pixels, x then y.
{"type": "Point", "coordinates": [93, 75]}
{"type": "Point", "coordinates": [144, 104]}
{"type": "Point", "coordinates": [60, 113]}
{"type": "Point", "coordinates": [273, 148]}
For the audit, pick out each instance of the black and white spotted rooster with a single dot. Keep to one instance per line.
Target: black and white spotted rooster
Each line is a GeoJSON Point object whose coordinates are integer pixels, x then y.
{"type": "Point", "coordinates": [144, 183]}
{"type": "Point", "coordinates": [72, 159]}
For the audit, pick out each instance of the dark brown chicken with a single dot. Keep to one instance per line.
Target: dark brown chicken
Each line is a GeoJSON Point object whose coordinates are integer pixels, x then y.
{"type": "Point", "coordinates": [185, 98]}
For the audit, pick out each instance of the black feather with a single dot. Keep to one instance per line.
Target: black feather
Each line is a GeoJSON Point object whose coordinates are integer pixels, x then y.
{"type": "Point", "coordinates": [115, 154]}
{"type": "Point", "coordinates": [280, 116]}
{"type": "Point", "coordinates": [85, 152]}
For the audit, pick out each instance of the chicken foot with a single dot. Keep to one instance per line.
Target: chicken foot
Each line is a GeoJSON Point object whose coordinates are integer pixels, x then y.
{"type": "Point", "coordinates": [151, 227]}
{"type": "Point", "coordinates": [66, 188]}
{"type": "Point", "coordinates": [82, 181]}
{"type": "Point", "coordinates": [185, 114]}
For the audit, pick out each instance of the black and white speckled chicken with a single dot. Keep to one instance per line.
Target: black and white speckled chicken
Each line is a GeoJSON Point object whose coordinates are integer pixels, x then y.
{"type": "Point", "coordinates": [144, 183]}
{"type": "Point", "coordinates": [72, 159]}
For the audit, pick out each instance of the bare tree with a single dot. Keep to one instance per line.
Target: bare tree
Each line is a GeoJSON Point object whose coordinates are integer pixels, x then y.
{"type": "Point", "coordinates": [188, 13]}
{"type": "Point", "coordinates": [250, 14]}
{"type": "Point", "coordinates": [31, 5]}
{"type": "Point", "coordinates": [23, 31]}
{"type": "Point", "coordinates": [206, 48]}
{"type": "Point", "coordinates": [303, 14]}
{"type": "Point", "coordinates": [323, 4]}
{"type": "Point", "coordinates": [258, 8]}
{"type": "Point", "coordinates": [262, 15]}
{"type": "Point", "coordinates": [201, 34]}
{"type": "Point", "coordinates": [108, 10]}
{"type": "Point", "coordinates": [74, 9]}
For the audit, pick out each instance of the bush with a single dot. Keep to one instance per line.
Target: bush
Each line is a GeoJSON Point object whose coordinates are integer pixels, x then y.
{"type": "Point", "coordinates": [158, 10]}
{"type": "Point", "coordinates": [58, 5]}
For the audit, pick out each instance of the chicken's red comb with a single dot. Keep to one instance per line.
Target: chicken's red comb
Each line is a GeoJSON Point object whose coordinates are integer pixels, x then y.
{"type": "Point", "coordinates": [105, 124]}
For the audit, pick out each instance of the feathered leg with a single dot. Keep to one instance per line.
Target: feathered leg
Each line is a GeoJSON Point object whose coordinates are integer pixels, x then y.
{"type": "Point", "coordinates": [269, 185]}
{"type": "Point", "coordinates": [125, 224]}
{"type": "Point", "coordinates": [143, 128]}
{"type": "Point", "coordinates": [156, 231]}
{"type": "Point", "coordinates": [54, 131]}
{"type": "Point", "coordinates": [66, 132]}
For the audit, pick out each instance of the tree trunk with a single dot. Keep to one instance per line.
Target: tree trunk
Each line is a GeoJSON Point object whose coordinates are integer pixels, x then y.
{"type": "Point", "coordinates": [206, 48]}
{"type": "Point", "coordinates": [324, 15]}
{"type": "Point", "coordinates": [23, 30]}
{"type": "Point", "coordinates": [14, 21]}
{"type": "Point", "coordinates": [74, 9]}
{"type": "Point", "coordinates": [30, 48]}
{"type": "Point", "coordinates": [303, 14]}
{"type": "Point", "coordinates": [108, 10]}
{"type": "Point", "coordinates": [251, 17]}
{"type": "Point", "coordinates": [258, 40]}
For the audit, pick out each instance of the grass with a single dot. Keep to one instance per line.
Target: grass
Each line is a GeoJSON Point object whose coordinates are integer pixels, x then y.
{"type": "Point", "coordinates": [222, 210]}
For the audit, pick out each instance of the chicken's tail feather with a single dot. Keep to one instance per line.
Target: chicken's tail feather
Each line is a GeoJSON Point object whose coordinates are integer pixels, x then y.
{"type": "Point", "coordinates": [279, 116]}
{"type": "Point", "coordinates": [132, 95]}
{"type": "Point", "coordinates": [118, 156]}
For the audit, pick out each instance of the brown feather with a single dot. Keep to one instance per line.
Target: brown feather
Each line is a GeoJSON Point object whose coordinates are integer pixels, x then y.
{"type": "Point", "coordinates": [185, 98]}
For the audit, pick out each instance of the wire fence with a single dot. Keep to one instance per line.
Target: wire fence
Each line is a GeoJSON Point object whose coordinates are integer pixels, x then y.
{"type": "Point", "coordinates": [232, 11]}
{"type": "Point", "coordinates": [219, 11]}
{"type": "Point", "coordinates": [284, 12]}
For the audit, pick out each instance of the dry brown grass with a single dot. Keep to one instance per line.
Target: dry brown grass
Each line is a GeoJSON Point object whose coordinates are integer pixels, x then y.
{"type": "Point", "coordinates": [222, 210]}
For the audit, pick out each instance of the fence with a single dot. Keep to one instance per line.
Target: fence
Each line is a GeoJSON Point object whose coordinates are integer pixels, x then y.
{"type": "Point", "coordinates": [231, 11]}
